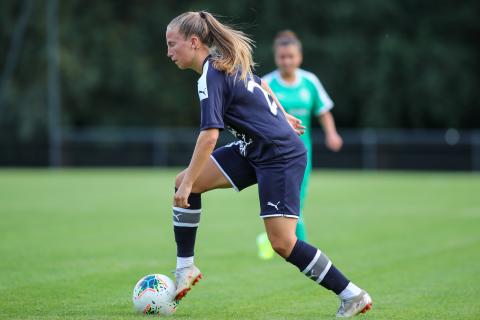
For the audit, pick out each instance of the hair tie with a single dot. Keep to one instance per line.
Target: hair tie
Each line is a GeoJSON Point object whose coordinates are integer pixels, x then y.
{"type": "Point", "coordinates": [203, 15]}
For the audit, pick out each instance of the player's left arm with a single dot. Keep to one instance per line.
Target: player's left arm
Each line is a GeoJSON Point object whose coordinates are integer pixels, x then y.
{"type": "Point", "coordinates": [322, 105]}
{"type": "Point", "coordinates": [206, 141]}
{"type": "Point", "coordinates": [332, 139]}
{"type": "Point", "coordinates": [294, 122]}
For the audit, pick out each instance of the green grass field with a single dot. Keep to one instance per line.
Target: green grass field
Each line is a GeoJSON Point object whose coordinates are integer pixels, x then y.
{"type": "Point", "coordinates": [73, 243]}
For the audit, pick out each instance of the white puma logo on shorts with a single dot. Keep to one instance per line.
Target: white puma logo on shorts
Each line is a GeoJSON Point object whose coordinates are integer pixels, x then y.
{"type": "Point", "coordinates": [273, 205]}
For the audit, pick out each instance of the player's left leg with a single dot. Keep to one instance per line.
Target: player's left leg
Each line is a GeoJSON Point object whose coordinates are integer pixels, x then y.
{"type": "Point", "coordinates": [279, 208]}
{"type": "Point", "coordinates": [265, 250]}
{"type": "Point", "coordinates": [315, 265]}
{"type": "Point", "coordinates": [310, 260]}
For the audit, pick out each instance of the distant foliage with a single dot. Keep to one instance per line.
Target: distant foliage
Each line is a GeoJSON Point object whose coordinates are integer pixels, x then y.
{"type": "Point", "coordinates": [408, 64]}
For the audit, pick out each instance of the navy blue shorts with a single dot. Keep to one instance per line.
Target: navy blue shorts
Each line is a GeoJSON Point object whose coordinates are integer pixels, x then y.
{"type": "Point", "coordinates": [279, 182]}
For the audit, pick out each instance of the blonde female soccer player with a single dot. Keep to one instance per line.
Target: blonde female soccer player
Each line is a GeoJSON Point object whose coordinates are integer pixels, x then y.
{"type": "Point", "coordinates": [268, 152]}
{"type": "Point", "coordinates": [303, 96]}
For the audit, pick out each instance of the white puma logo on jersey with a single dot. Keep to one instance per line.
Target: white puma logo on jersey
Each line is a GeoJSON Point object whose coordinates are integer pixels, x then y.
{"type": "Point", "coordinates": [273, 205]}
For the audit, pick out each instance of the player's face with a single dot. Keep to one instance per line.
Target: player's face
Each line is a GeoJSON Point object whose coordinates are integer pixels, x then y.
{"type": "Point", "coordinates": [179, 49]}
{"type": "Point", "coordinates": [288, 58]}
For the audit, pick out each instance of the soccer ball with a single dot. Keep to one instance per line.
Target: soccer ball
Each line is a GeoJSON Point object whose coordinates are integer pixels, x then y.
{"type": "Point", "coordinates": [155, 294]}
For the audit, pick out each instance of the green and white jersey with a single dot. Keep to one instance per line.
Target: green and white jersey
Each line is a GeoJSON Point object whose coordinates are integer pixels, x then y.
{"type": "Point", "coordinates": [302, 99]}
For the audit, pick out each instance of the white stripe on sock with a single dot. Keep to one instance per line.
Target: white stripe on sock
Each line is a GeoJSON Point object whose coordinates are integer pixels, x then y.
{"type": "Point", "coordinates": [184, 224]}
{"type": "Point", "coordinates": [187, 210]}
{"type": "Point", "coordinates": [312, 263]}
{"type": "Point", "coordinates": [324, 272]}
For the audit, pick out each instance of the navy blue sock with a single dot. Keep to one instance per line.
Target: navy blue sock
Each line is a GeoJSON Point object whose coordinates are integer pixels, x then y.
{"type": "Point", "coordinates": [335, 280]}
{"type": "Point", "coordinates": [185, 224]}
{"type": "Point", "coordinates": [317, 266]}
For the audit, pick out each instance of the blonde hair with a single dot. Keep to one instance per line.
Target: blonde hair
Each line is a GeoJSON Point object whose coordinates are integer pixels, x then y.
{"type": "Point", "coordinates": [231, 49]}
{"type": "Point", "coordinates": [286, 38]}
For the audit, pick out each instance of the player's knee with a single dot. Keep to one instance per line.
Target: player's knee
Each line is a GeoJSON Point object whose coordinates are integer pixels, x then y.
{"type": "Point", "coordinates": [283, 245]}
{"type": "Point", "coordinates": [198, 188]}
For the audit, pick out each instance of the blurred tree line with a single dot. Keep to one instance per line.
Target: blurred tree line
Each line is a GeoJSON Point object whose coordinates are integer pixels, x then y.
{"type": "Point", "coordinates": [385, 63]}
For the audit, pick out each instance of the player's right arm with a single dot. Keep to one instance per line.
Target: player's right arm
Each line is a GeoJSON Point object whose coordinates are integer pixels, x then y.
{"type": "Point", "coordinates": [206, 141]}
{"type": "Point", "coordinates": [211, 92]}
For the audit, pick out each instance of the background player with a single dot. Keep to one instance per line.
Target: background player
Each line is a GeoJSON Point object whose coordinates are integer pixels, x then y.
{"type": "Point", "coordinates": [268, 152]}
{"type": "Point", "coordinates": [302, 95]}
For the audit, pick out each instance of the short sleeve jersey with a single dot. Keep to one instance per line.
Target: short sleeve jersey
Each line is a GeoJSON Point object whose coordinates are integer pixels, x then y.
{"type": "Point", "coordinates": [302, 99]}
{"type": "Point", "coordinates": [249, 113]}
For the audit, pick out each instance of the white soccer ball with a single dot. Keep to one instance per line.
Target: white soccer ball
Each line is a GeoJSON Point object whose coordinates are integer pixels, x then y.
{"type": "Point", "coordinates": [155, 294]}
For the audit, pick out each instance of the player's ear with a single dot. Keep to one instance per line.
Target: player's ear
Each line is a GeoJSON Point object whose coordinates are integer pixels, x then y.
{"type": "Point", "coordinates": [195, 42]}
{"type": "Point", "coordinates": [300, 58]}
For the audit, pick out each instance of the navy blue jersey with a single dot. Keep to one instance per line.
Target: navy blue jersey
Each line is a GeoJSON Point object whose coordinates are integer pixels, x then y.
{"type": "Point", "coordinates": [249, 113]}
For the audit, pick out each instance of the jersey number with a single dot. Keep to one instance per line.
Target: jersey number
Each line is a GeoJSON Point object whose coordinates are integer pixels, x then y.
{"type": "Point", "coordinates": [273, 106]}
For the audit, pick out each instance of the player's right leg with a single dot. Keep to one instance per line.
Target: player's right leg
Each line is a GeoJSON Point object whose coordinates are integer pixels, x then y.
{"type": "Point", "coordinates": [185, 224]}
{"type": "Point", "coordinates": [225, 169]}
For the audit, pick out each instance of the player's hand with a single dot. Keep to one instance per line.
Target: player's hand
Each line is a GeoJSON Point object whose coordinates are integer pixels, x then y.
{"type": "Point", "coordinates": [334, 142]}
{"type": "Point", "coordinates": [296, 124]}
{"type": "Point", "coordinates": [180, 199]}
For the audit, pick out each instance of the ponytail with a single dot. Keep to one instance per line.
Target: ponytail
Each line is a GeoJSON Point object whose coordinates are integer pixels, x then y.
{"type": "Point", "coordinates": [231, 49]}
